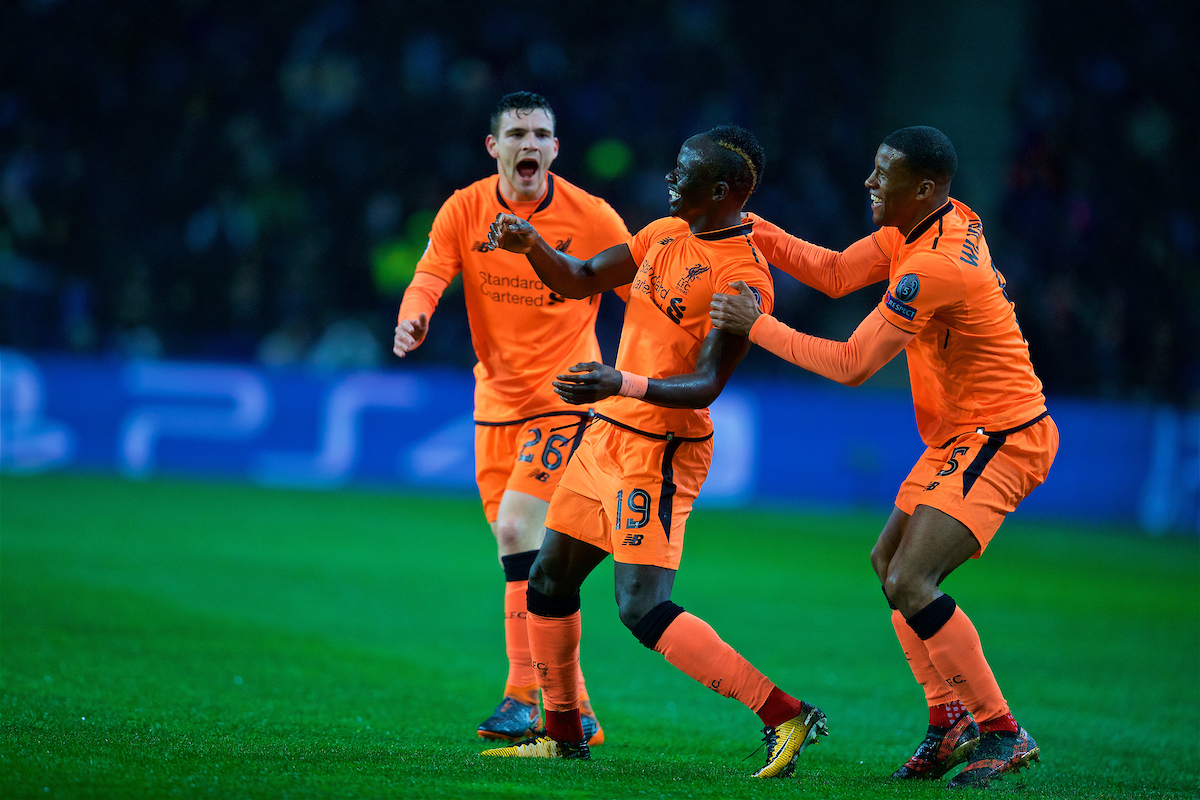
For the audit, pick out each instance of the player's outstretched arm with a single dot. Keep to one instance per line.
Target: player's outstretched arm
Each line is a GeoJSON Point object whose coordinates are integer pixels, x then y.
{"type": "Point", "coordinates": [874, 343]}
{"type": "Point", "coordinates": [565, 274]}
{"type": "Point", "coordinates": [719, 356]}
{"type": "Point", "coordinates": [829, 271]}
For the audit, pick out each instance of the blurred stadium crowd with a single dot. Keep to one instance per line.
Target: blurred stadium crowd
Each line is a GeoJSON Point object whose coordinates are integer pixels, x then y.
{"type": "Point", "coordinates": [214, 179]}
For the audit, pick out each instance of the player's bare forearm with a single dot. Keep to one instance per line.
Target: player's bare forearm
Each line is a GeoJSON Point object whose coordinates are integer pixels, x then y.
{"type": "Point", "coordinates": [719, 356]}
{"type": "Point", "coordinates": [565, 274]}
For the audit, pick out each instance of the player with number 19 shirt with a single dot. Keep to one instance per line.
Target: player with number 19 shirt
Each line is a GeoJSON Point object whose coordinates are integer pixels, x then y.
{"type": "Point", "coordinates": [661, 454]}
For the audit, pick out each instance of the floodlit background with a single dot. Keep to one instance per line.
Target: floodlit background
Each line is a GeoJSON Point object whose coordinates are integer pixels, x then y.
{"type": "Point", "coordinates": [241, 549]}
{"type": "Point", "coordinates": [203, 201]}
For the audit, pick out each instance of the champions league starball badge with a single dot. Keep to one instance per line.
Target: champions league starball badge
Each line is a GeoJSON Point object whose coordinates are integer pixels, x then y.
{"type": "Point", "coordinates": [907, 288]}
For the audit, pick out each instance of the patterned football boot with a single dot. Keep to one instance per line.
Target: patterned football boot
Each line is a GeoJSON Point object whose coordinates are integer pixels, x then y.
{"type": "Point", "coordinates": [999, 753]}
{"type": "Point", "coordinates": [942, 750]}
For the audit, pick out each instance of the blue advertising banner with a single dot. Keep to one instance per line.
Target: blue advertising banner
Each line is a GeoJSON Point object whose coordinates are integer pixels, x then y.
{"type": "Point", "coordinates": [777, 443]}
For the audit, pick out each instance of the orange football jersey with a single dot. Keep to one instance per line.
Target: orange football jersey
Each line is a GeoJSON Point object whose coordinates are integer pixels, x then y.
{"type": "Point", "coordinates": [666, 319]}
{"type": "Point", "coordinates": [969, 364]}
{"type": "Point", "coordinates": [523, 333]}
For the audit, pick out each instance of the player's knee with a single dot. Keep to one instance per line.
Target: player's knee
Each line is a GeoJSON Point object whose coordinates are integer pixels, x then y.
{"type": "Point", "coordinates": [879, 562]}
{"type": "Point", "coordinates": [546, 576]}
{"type": "Point", "coordinates": [634, 601]}
{"type": "Point", "coordinates": [908, 591]}
{"type": "Point", "coordinates": [514, 534]}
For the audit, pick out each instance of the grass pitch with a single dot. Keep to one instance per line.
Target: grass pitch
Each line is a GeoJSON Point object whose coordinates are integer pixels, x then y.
{"type": "Point", "coordinates": [175, 639]}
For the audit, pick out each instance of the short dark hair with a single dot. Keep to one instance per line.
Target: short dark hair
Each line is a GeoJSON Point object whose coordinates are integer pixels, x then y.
{"type": "Point", "coordinates": [741, 158]}
{"type": "Point", "coordinates": [520, 101]}
{"type": "Point", "coordinates": [927, 151]}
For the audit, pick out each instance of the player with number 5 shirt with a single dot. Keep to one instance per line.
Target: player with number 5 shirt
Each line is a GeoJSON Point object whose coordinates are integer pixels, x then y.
{"type": "Point", "coordinates": [980, 411]}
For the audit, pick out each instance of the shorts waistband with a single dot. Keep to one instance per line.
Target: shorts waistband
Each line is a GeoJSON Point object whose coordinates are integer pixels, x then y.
{"type": "Point", "coordinates": [580, 414]}
{"type": "Point", "coordinates": [662, 437]}
{"type": "Point", "coordinates": [1000, 434]}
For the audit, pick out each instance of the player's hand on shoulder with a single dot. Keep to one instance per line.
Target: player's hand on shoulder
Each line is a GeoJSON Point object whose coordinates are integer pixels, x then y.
{"type": "Point", "coordinates": [735, 313]}
{"type": "Point", "coordinates": [409, 334]}
{"type": "Point", "coordinates": [587, 383]}
{"type": "Point", "coordinates": [510, 232]}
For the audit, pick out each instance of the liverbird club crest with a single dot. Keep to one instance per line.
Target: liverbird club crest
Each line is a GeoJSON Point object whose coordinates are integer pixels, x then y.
{"type": "Point", "coordinates": [688, 279]}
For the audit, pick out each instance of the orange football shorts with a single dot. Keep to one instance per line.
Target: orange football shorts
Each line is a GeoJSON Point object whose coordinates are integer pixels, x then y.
{"type": "Point", "coordinates": [979, 477]}
{"type": "Point", "coordinates": [630, 494]}
{"type": "Point", "coordinates": [527, 456]}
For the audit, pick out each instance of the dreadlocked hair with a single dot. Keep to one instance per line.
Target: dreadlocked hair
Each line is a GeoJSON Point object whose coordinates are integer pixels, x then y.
{"type": "Point", "coordinates": [743, 167]}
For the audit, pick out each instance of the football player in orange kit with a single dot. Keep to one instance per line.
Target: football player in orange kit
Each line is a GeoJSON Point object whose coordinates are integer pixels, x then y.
{"type": "Point", "coordinates": [523, 334]}
{"type": "Point", "coordinates": [980, 411]}
{"type": "Point", "coordinates": [630, 487]}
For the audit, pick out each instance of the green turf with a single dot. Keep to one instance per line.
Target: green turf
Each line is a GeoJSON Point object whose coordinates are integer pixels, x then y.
{"type": "Point", "coordinates": [172, 639]}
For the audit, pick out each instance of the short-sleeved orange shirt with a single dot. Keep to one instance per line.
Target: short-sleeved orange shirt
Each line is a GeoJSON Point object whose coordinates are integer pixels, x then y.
{"type": "Point", "coordinates": [969, 364]}
{"type": "Point", "coordinates": [666, 319]}
{"type": "Point", "coordinates": [523, 333]}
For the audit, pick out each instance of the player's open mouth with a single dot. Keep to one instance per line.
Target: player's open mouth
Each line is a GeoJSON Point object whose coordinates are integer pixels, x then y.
{"type": "Point", "coordinates": [876, 200]}
{"type": "Point", "coordinates": [527, 168]}
{"type": "Point", "coordinates": [672, 194]}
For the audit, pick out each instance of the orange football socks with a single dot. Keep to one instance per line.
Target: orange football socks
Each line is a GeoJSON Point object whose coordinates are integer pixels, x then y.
{"type": "Point", "coordinates": [957, 653]}
{"type": "Point", "coordinates": [692, 646]}
{"type": "Point", "coordinates": [936, 691]}
{"type": "Point", "coordinates": [554, 646]}
{"type": "Point", "coordinates": [521, 684]}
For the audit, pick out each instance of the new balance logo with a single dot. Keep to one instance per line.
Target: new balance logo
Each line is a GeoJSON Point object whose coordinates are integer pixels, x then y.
{"type": "Point", "coordinates": [666, 241]}
{"type": "Point", "coordinates": [480, 247]}
{"type": "Point", "coordinates": [537, 474]}
{"type": "Point", "coordinates": [932, 486]}
{"type": "Point", "coordinates": [632, 540]}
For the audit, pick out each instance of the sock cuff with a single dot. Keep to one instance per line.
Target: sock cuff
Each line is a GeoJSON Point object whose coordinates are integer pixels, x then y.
{"type": "Point", "coordinates": [517, 565]}
{"type": "Point", "coordinates": [930, 619]}
{"type": "Point", "coordinates": [891, 605]}
{"type": "Point", "coordinates": [650, 627]}
{"type": "Point", "coordinates": [546, 606]}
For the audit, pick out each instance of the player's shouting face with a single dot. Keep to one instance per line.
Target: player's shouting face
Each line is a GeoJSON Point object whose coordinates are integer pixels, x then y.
{"type": "Point", "coordinates": [690, 186]}
{"type": "Point", "coordinates": [524, 149]}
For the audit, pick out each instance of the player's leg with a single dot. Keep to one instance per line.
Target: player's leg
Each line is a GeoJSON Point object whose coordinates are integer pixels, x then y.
{"type": "Point", "coordinates": [970, 490]}
{"type": "Point", "coordinates": [690, 644]}
{"type": "Point", "coordinates": [934, 545]}
{"type": "Point", "coordinates": [554, 633]}
{"type": "Point", "coordinates": [518, 468]}
{"type": "Point", "coordinates": [514, 519]}
{"type": "Point", "coordinates": [952, 733]}
{"type": "Point", "coordinates": [518, 531]}
{"type": "Point", "coordinates": [650, 508]}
